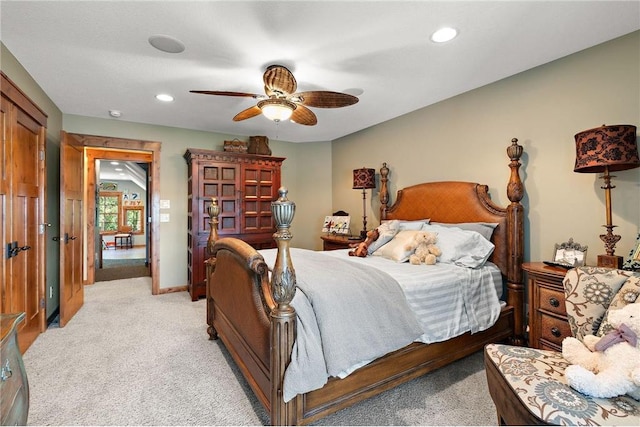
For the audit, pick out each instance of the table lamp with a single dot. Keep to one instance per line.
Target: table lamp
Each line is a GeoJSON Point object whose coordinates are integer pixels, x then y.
{"type": "Point", "coordinates": [364, 179]}
{"type": "Point", "coordinates": [603, 150]}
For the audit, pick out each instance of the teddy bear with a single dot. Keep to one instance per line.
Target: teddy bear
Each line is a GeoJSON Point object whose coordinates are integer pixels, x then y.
{"type": "Point", "coordinates": [607, 366]}
{"type": "Point", "coordinates": [426, 250]}
{"type": "Point", "coordinates": [362, 248]}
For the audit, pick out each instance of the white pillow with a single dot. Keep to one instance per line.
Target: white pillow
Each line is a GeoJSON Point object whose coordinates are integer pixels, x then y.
{"type": "Point", "coordinates": [386, 231]}
{"type": "Point", "coordinates": [412, 225]}
{"type": "Point", "coordinates": [484, 228]}
{"type": "Point", "coordinates": [461, 247]}
{"type": "Point", "coordinates": [395, 249]}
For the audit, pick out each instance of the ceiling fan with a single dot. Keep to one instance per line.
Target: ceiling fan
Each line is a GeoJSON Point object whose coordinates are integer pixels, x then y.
{"type": "Point", "coordinates": [282, 102]}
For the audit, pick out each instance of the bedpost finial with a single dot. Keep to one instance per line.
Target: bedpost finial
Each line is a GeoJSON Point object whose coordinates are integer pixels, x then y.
{"type": "Point", "coordinates": [514, 151]}
{"type": "Point", "coordinates": [283, 210]}
{"type": "Point", "coordinates": [214, 211]}
{"type": "Point", "coordinates": [283, 278]}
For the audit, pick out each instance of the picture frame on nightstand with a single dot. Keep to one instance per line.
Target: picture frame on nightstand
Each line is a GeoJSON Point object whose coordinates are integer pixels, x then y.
{"type": "Point", "coordinates": [569, 254]}
{"type": "Point", "coordinates": [336, 224]}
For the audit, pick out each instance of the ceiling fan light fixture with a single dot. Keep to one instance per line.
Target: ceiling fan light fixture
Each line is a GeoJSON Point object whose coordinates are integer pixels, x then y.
{"type": "Point", "coordinates": [277, 109]}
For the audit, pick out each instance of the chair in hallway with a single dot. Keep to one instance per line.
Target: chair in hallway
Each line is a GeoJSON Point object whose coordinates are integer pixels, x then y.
{"type": "Point", "coordinates": [124, 237]}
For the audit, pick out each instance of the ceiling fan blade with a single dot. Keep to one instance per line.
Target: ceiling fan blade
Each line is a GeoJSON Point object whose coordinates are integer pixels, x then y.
{"type": "Point", "coordinates": [247, 114]}
{"type": "Point", "coordinates": [279, 79]}
{"type": "Point", "coordinates": [303, 116]}
{"type": "Point", "coordinates": [224, 93]}
{"type": "Point", "coordinates": [324, 99]}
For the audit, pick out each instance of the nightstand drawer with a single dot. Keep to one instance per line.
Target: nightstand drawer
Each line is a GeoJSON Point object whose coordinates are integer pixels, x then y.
{"type": "Point", "coordinates": [553, 329]}
{"type": "Point", "coordinates": [552, 300]}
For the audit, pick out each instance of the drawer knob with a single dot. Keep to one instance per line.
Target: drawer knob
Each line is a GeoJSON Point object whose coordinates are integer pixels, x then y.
{"type": "Point", "coordinates": [554, 302]}
{"type": "Point", "coordinates": [5, 372]}
{"type": "Point", "coordinates": [555, 332]}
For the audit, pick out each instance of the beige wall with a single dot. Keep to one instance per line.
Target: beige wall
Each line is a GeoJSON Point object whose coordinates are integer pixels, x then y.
{"type": "Point", "coordinates": [305, 165]}
{"type": "Point", "coordinates": [464, 138]}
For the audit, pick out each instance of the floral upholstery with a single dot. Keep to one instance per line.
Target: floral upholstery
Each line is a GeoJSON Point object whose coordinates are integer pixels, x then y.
{"type": "Point", "coordinates": [537, 378]}
{"type": "Point", "coordinates": [628, 294]}
{"type": "Point", "coordinates": [588, 293]}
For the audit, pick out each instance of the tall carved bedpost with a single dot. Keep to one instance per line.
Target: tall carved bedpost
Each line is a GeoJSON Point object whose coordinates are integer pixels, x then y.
{"type": "Point", "coordinates": [210, 263]}
{"type": "Point", "coordinates": [384, 191]}
{"type": "Point", "coordinates": [515, 221]}
{"type": "Point", "coordinates": [283, 316]}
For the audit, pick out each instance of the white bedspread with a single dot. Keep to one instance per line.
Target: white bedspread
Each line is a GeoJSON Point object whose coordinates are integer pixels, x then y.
{"type": "Point", "coordinates": [447, 301]}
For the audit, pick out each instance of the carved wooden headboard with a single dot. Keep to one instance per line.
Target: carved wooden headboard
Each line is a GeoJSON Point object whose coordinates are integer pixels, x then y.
{"type": "Point", "coordinates": [453, 202]}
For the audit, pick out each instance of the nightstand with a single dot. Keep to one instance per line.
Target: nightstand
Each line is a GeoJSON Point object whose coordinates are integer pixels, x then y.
{"type": "Point", "coordinates": [548, 324]}
{"type": "Point", "coordinates": [331, 242]}
{"type": "Point", "coordinates": [14, 387]}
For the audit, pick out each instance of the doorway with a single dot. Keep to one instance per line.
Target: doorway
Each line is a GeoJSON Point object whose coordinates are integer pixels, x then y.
{"type": "Point", "coordinates": [139, 151]}
{"type": "Point", "coordinates": [121, 226]}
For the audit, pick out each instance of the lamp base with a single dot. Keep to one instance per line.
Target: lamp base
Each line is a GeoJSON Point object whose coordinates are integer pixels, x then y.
{"type": "Point", "coordinates": [610, 261]}
{"type": "Point", "coordinates": [363, 234]}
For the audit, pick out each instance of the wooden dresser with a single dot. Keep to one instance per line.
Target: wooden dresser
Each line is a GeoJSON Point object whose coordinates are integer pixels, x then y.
{"type": "Point", "coordinates": [14, 388]}
{"type": "Point", "coordinates": [244, 185]}
{"type": "Point", "coordinates": [548, 324]}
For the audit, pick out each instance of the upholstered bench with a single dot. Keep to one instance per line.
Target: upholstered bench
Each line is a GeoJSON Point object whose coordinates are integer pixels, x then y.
{"type": "Point", "coordinates": [528, 388]}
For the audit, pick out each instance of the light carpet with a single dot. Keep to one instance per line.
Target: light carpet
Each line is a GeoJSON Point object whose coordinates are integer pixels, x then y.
{"type": "Point", "coordinates": [130, 358]}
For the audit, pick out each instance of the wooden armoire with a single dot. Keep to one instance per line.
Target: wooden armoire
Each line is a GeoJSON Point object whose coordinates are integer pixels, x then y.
{"type": "Point", "coordinates": [22, 191]}
{"type": "Point", "coordinates": [244, 186]}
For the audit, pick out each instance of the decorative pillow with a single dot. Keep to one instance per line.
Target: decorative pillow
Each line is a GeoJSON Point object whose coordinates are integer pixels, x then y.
{"type": "Point", "coordinates": [588, 293]}
{"type": "Point", "coordinates": [484, 228]}
{"type": "Point", "coordinates": [386, 231]}
{"type": "Point", "coordinates": [396, 249]}
{"type": "Point", "coordinates": [461, 247]}
{"type": "Point", "coordinates": [628, 294]}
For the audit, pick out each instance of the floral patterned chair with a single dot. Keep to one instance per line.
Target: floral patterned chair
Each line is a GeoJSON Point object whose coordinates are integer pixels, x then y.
{"type": "Point", "coordinates": [528, 385]}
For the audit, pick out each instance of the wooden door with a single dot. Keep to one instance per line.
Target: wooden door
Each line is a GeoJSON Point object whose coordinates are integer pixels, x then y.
{"type": "Point", "coordinates": [26, 267]}
{"type": "Point", "coordinates": [22, 190]}
{"type": "Point", "coordinates": [71, 235]}
{"type": "Point", "coordinates": [4, 195]}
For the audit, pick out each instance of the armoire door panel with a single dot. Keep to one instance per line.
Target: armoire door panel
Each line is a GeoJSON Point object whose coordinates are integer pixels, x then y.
{"type": "Point", "coordinates": [210, 173]}
{"type": "Point", "coordinates": [210, 190]}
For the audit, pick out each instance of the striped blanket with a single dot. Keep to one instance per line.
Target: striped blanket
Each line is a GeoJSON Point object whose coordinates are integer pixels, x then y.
{"type": "Point", "coordinates": [351, 310]}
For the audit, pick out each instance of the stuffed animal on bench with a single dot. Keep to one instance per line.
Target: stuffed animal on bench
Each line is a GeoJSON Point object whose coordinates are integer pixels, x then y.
{"type": "Point", "coordinates": [607, 366]}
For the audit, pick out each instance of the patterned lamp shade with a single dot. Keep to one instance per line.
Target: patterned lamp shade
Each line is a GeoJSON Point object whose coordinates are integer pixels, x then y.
{"type": "Point", "coordinates": [364, 178]}
{"type": "Point", "coordinates": [607, 146]}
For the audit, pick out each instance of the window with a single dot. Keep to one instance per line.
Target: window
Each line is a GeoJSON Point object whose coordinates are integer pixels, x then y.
{"type": "Point", "coordinates": [134, 217]}
{"type": "Point", "coordinates": [109, 203]}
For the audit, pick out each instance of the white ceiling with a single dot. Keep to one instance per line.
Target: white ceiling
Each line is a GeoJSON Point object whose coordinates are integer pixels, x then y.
{"type": "Point", "coordinates": [123, 171]}
{"type": "Point", "coordinates": [93, 56]}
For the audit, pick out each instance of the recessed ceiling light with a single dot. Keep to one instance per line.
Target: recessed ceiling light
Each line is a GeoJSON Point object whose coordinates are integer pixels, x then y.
{"type": "Point", "coordinates": [164, 97]}
{"type": "Point", "coordinates": [118, 169]}
{"type": "Point", "coordinates": [115, 163]}
{"type": "Point", "coordinates": [166, 43]}
{"type": "Point", "coordinates": [115, 113]}
{"type": "Point", "coordinates": [444, 35]}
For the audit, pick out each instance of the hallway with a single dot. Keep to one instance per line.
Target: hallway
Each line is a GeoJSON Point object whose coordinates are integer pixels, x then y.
{"type": "Point", "coordinates": [122, 264]}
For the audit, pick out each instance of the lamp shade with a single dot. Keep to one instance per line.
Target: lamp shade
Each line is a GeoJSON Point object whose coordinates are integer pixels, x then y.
{"type": "Point", "coordinates": [364, 178]}
{"type": "Point", "coordinates": [613, 147]}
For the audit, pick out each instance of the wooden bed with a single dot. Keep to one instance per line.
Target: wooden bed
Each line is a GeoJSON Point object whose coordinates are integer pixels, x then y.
{"type": "Point", "coordinates": [253, 318]}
